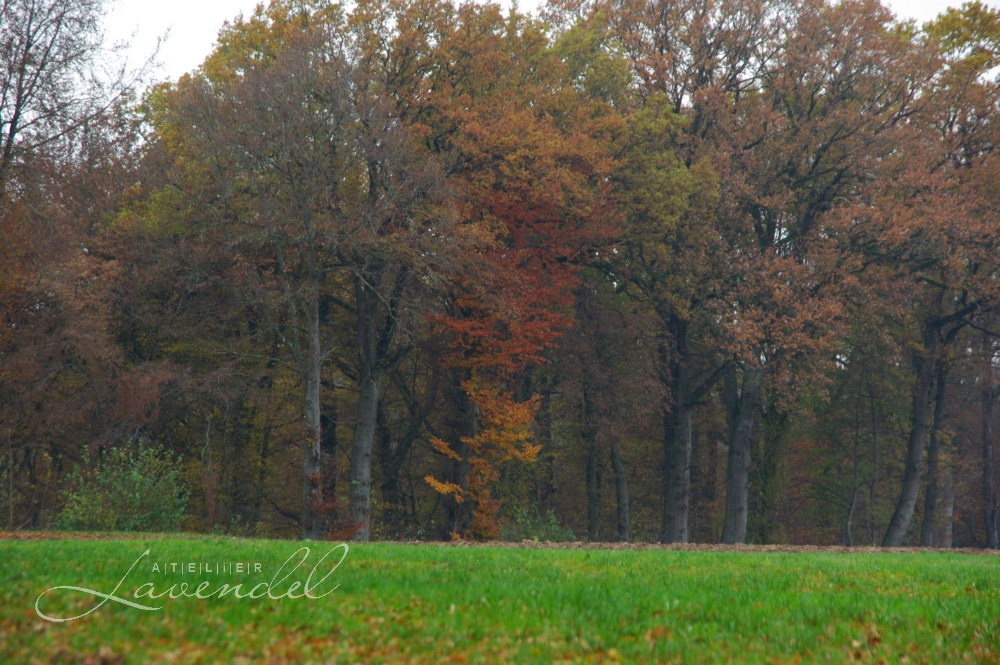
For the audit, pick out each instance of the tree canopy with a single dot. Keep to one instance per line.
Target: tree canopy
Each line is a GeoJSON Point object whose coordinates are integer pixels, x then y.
{"type": "Point", "coordinates": [419, 269]}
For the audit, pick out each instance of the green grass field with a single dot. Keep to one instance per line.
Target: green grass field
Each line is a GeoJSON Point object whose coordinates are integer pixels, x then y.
{"type": "Point", "coordinates": [431, 604]}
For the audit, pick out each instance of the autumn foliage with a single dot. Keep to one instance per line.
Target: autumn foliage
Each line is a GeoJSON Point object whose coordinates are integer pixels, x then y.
{"type": "Point", "coordinates": [504, 435]}
{"type": "Point", "coordinates": [686, 270]}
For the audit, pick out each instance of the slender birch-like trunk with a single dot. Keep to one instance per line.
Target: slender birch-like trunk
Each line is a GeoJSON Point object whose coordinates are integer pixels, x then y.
{"type": "Point", "coordinates": [312, 493]}
{"type": "Point", "coordinates": [364, 429]}
{"type": "Point", "coordinates": [621, 489]}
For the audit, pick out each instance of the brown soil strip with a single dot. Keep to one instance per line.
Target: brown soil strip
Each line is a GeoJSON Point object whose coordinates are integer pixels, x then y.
{"type": "Point", "coordinates": [706, 547]}
{"type": "Point", "coordinates": [546, 545]}
{"type": "Point", "coordinates": [50, 535]}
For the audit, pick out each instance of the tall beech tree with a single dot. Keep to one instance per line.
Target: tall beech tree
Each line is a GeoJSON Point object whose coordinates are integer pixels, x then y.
{"type": "Point", "coordinates": [828, 112]}
{"type": "Point", "coordinates": [297, 165]}
{"type": "Point", "coordinates": [52, 84]}
{"type": "Point", "coordinates": [607, 369]}
{"type": "Point", "coordinates": [789, 135]}
{"type": "Point", "coordinates": [667, 259]}
{"type": "Point", "coordinates": [522, 150]}
{"type": "Point", "coordinates": [970, 40]}
{"type": "Point", "coordinates": [67, 152]}
{"type": "Point", "coordinates": [65, 387]}
{"type": "Point", "coordinates": [55, 78]}
{"type": "Point", "coordinates": [989, 392]}
{"type": "Point", "coordinates": [936, 228]}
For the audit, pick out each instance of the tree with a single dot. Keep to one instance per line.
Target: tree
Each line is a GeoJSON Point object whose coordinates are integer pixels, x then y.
{"type": "Point", "coordinates": [989, 390]}
{"type": "Point", "coordinates": [937, 227]}
{"type": "Point", "coordinates": [788, 134]}
{"type": "Point", "coordinates": [520, 148]}
{"type": "Point", "coordinates": [310, 178]}
{"type": "Point", "coordinates": [50, 86]}
{"type": "Point", "coordinates": [48, 83]}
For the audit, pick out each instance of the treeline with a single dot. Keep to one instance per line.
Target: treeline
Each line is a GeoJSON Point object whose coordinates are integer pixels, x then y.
{"type": "Point", "coordinates": [660, 270]}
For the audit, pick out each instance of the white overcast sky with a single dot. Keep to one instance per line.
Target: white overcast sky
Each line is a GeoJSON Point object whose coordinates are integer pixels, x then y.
{"type": "Point", "coordinates": [194, 24]}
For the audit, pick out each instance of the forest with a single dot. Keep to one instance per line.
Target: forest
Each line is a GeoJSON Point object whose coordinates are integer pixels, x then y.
{"type": "Point", "coordinates": [616, 270]}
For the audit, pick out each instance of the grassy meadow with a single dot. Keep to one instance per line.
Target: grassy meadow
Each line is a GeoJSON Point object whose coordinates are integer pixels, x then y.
{"type": "Point", "coordinates": [442, 604]}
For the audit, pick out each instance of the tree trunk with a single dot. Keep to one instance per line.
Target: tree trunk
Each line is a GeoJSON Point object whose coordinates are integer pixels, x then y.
{"type": "Point", "coordinates": [328, 449]}
{"type": "Point", "coordinates": [468, 428]}
{"type": "Point", "coordinates": [873, 486]}
{"type": "Point", "coordinates": [928, 526]}
{"type": "Point", "coordinates": [948, 511]}
{"type": "Point", "coordinates": [990, 498]}
{"type": "Point", "coordinates": [925, 365]}
{"type": "Point", "coordinates": [593, 474]}
{"type": "Point", "coordinates": [546, 484]}
{"type": "Point", "coordinates": [312, 494]}
{"type": "Point", "coordinates": [766, 451]}
{"type": "Point", "coordinates": [677, 444]}
{"type": "Point", "coordinates": [393, 508]}
{"type": "Point", "coordinates": [361, 454]}
{"type": "Point", "coordinates": [364, 428]}
{"type": "Point", "coordinates": [677, 474]}
{"type": "Point", "coordinates": [265, 453]}
{"type": "Point", "coordinates": [593, 497]}
{"type": "Point", "coordinates": [848, 532]}
{"type": "Point", "coordinates": [741, 411]}
{"type": "Point", "coordinates": [621, 489]}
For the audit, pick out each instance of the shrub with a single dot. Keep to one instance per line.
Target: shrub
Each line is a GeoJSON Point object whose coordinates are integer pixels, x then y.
{"type": "Point", "coordinates": [134, 488]}
{"type": "Point", "coordinates": [529, 524]}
